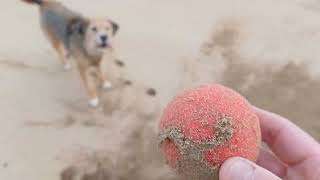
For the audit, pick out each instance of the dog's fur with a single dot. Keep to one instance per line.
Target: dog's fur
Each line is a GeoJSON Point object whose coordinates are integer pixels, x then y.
{"type": "Point", "coordinates": [86, 40]}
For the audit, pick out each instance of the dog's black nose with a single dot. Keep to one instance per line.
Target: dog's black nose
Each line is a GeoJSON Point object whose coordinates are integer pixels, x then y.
{"type": "Point", "coordinates": [103, 38]}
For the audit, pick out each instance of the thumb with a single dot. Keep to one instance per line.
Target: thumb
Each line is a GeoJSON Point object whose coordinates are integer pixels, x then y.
{"type": "Point", "coordinates": [241, 169]}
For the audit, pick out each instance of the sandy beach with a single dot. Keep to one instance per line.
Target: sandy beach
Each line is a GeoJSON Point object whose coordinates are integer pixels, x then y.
{"type": "Point", "coordinates": [267, 50]}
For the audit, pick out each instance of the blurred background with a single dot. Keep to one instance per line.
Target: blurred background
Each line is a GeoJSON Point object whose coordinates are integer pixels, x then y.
{"type": "Point", "coordinates": [268, 50]}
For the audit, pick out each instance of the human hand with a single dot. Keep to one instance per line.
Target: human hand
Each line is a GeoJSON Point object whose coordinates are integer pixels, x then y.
{"type": "Point", "coordinates": [296, 155]}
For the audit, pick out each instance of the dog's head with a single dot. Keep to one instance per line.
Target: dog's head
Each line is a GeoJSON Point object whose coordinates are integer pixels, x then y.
{"type": "Point", "coordinates": [97, 34]}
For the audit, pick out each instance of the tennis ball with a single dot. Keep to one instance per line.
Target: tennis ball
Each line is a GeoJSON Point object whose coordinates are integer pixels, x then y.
{"type": "Point", "coordinates": [204, 126]}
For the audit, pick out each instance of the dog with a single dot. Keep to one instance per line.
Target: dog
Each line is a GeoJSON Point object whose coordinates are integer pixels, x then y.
{"type": "Point", "coordinates": [88, 41]}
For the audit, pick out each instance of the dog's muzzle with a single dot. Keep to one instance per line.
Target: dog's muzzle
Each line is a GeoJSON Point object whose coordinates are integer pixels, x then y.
{"type": "Point", "coordinates": [102, 41]}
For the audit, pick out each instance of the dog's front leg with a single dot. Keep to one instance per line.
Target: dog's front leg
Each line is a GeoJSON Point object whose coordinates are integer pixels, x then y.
{"type": "Point", "coordinates": [90, 86]}
{"type": "Point", "coordinates": [106, 84]}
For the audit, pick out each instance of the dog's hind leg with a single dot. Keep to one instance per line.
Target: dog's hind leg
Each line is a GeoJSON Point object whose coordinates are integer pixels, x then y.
{"type": "Point", "coordinates": [63, 53]}
{"type": "Point", "coordinates": [65, 57]}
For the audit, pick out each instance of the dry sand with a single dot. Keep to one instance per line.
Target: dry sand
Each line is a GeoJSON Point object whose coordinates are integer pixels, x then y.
{"type": "Point", "coordinates": [268, 50]}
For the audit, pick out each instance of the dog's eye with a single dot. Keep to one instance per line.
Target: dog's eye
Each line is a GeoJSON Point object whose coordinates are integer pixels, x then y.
{"type": "Point", "coordinates": [94, 29]}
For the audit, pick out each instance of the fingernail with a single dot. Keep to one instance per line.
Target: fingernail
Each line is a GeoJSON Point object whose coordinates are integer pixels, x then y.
{"type": "Point", "coordinates": [240, 170]}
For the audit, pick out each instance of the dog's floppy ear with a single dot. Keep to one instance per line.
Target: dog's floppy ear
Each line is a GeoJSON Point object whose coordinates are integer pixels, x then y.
{"type": "Point", "coordinates": [77, 25]}
{"type": "Point", "coordinates": [115, 27]}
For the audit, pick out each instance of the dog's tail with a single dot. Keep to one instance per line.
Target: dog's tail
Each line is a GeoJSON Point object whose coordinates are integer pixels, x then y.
{"type": "Point", "coordinates": [39, 2]}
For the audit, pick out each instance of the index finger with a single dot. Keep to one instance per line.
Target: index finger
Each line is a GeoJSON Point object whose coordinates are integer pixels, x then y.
{"type": "Point", "coordinates": [286, 140]}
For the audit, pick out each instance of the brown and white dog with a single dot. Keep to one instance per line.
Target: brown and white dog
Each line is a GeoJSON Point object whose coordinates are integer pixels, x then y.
{"type": "Point", "coordinates": [88, 41]}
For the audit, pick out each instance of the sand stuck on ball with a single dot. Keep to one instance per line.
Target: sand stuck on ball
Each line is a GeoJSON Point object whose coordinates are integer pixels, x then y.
{"type": "Point", "coordinates": [204, 126]}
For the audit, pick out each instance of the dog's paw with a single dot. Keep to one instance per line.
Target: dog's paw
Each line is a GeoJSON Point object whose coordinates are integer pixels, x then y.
{"type": "Point", "coordinates": [94, 102]}
{"type": "Point", "coordinates": [107, 85]}
{"type": "Point", "coordinates": [67, 66]}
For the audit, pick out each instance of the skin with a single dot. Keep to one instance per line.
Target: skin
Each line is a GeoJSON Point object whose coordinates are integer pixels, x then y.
{"type": "Point", "coordinates": [294, 155]}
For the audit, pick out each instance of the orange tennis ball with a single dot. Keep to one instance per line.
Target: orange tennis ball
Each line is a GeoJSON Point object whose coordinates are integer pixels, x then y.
{"type": "Point", "coordinates": [204, 126]}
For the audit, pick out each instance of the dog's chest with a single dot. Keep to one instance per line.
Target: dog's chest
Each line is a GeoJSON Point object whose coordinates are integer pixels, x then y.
{"type": "Point", "coordinates": [84, 59]}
